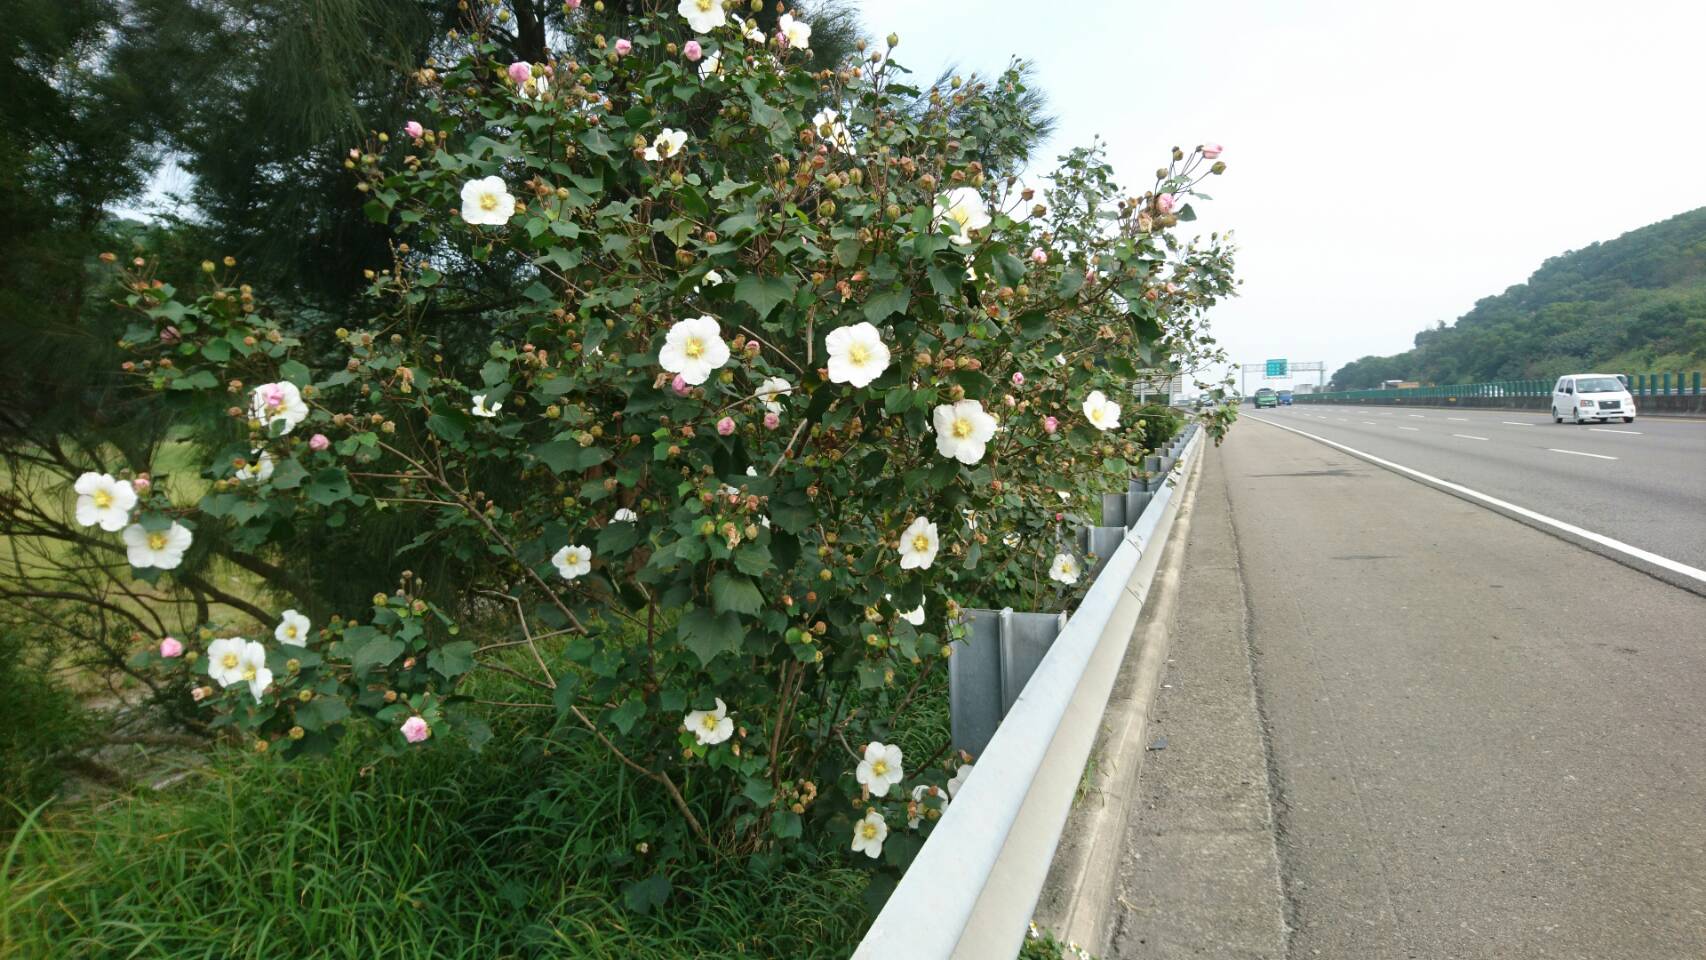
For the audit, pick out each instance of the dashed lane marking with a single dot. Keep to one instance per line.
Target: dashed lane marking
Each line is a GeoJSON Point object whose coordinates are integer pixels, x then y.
{"type": "Point", "coordinates": [1578, 453]}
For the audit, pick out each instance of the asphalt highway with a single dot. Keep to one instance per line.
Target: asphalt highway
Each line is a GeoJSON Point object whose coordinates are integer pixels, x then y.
{"type": "Point", "coordinates": [1643, 484]}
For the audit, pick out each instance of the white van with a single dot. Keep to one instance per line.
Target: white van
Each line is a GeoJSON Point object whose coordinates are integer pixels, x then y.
{"type": "Point", "coordinates": [1592, 396]}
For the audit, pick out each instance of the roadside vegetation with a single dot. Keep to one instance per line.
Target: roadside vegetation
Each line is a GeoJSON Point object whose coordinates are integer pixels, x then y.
{"type": "Point", "coordinates": [575, 574]}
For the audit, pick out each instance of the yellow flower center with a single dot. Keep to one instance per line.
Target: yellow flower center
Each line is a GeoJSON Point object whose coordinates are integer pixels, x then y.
{"type": "Point", "coordinates": [488, 201]}
{"type": "Point", "coordinates": [248, 673]}
{"type": "Point", "coordinates": [1095, 414]}
{"type": "Point", "coordinates": [156, 541]}
{"type": "Point", "coordinates": [920, 542]}
{"type": "Point", "coordinates": [695, 347]}
{"type": "Point", "coordinates": [880, 768]}
{"type": "Point", "coordinates": [710, 722]}
{"type": "Point", "coordinates": [706, 5]}
{"type": "Point", "coordinates": [290, 632]}
{"type": "Point", "coordinates": [859, 354]}
{"type": "Point", "coordinates": [229, 661]}
{"type": "Point", "coordinates": [960, 214]}
{"type": "Point", "coordinates": [869, 829]}
{"type": "Point", "coordinates": [962, 428]}
{"type": "Point", "coordinates": [103, 499]}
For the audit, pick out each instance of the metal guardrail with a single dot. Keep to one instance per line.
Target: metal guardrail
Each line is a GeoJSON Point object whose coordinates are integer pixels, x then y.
{"type": "Point", "coordinates": [971, 890]}
{"type": "Point", "coordinates": [1640, 385]}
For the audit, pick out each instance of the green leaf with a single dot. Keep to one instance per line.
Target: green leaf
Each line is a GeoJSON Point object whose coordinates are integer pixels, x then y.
{"type": "Point", "coordinates": [644, 896]}
{"type": "Point", "coordinates": [448, 427]}
{"type": "Point", "coordinates": [707, 633]}
{"type": "Point", "coordinates": [288, 475]}
{"type": "Point", "coordinates": [617, 538]}
{"type": "Point", "coordinates": [881, 305]}
{"type": "Point", "coordinates": [629, 713]}
{"type": "Point", "coordinates": [759, 791]}
{"type": "Point", "coordinates": [733, 592]}
{"type": "Point", "coordinates": [764, 293]}
{"type": "Point", "coordinates": [376, 653]}
{"type": "Point", "coordinates": [294, 372]}
{"type": "Point", "coordinates": [494, 372]}
{"type": "Point", "coordinates": [321, 712]}
{"type": "Point", "coordinates": [847, 251]}
{"type": "Point", "coordinates": [563, 456]}
{"type": "Point", "coordinates": [785, 824]}
{"type": "Point", "coordinates": [753, 558]}
{"type": "Point", "coordinates": [218, 350]}
{"type": "Point", "coordinates": [453, 659]}
{"type": "Point", "coordinates": [329, 486]}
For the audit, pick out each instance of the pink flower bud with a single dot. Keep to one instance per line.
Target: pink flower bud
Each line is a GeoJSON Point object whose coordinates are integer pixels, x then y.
{"type": "Point", "coordinates": [1059, 517]}
{"type": "Point", "coordinates": [415, 730]}
{"type": "Point", "coordinates": [1089, 274]}
{"type": "Point", "coordinates": [1018, 379]}
{"type": "Point", "coordinates": [318, 442]}
{"type": "Point", "coordinates": [573, 4]}
{"type": "Point", "coordinates": [679, 385]}
{"type": "Point", "coordinates": [1166, 203]}
{"type": "Point", "coordinates": [414, 129]}
{"type": "Point", "coordinates": [772, 421]}
{"type": "Point", "coordinates": [170, 335]}
{"type": "Point", "coordinates": [1211, 150]}
{"type": "Point", "coordinates": [623, 46]}
{"type": "Point", "coordinates": [141, 483]}
{"type": "Point", "coordinates": [1051, 424]}
{"type": "Point", "coordinates": [1038, 255]}
{"type": "Point", "coordinates": [170, 647]}
{"type": "Point", "coordinates": [520, 71]}
{"type": "Point", "coordinates": [692, 51]}
{"type": "Point", "coordinates": [198, 693]}
{"type": "Point", "coordinates": [726, 426]}
{"type": "Point", "coordinates": [1008, 400]}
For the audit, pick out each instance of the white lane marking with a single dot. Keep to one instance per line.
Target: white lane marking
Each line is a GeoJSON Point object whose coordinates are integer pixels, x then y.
{"type": "Point", "coordinates": [1410, 428]}
{"type": "Point", "coordinates": [1515, 423]}
{"type": "Point", "coordinates": [1467, 436]}
{"type": "Point", "coordinates": [1634, 433]}
{"type": "Point", "coordinates": [1418, 416]}
{"type": "Point", "coordinates": [1667, 563]}
{"type": "Point", "coordinates": [1596, 456]}
{"type": "Point", "coordinates": [1459, 419]}
{"type": "Point", "coordinates": [1369, 422]}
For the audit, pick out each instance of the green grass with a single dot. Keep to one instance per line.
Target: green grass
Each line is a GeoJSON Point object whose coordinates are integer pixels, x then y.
{"type": "Point", "coordinates": [443, 854]}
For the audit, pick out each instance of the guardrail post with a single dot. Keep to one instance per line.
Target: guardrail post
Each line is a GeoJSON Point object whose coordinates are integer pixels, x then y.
{"type": "Point", "coordinates": [1697, 383]}
{"type": "Point", "coordinates": [974, 682]}
{"type": "Point", "coordinates": [1113, 509]}
{"type": "Point", "coordinates": [1667, 385]}
{"type": "Point", "coordinates": [1025, 639]}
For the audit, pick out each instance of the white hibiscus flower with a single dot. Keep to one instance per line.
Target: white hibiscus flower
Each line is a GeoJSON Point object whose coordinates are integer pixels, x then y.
{"type": "Point", "coordinates": [869, 834]}
{"type": "Point", "coordinates": [103, 501]}
{"type": "Point", "coordinates": [770, 390]}
{"type": "Point", "coordinates": [572, 561]}
{"type": "Point", "coordinates": [709, 66]}
{"type": "Point", "coordinates": [857, 354]}
{"type": "Point", "coordinates": [481, 409]}
{"type": "Point", "coordinates": [918, 545]}
{"type": "Point", "coordinates": [797, 33]}
{"type": "Point", "coordinates": [703, 15]}
{"type": "Point", "coordinates": [1103, 414]}
{"type": "Point", "coordinates": [958, 780]}
{"type": "Point", "coordinates": [693, 348]}
{"type": "Point", "coordinates": [881, 768]}
{"type": "Point", "coordinates": [710, 727]}
{"type": "Point", "coordinates": [487, 202]}
{"type": "Point", "coordinates": [1063, 569]}
{"type": "Point", "coordinates": [258, 469]}
{"type": "Point", "coordinates": [666, 144]}
{"type": "Point", "coordinates": [292, 629]}
{"type": "Point", "coordinates": [534, 89]}
{"type": "Point", "coordinates": [963, 430]}
{"type": "Point", "coordinates": [162, 549]}
{"type": "Point", "coordinates": [964, 209]}
{"type": "Point", "coordinates": [224, 657]}
{"type": "Point", "coordinates": [279, 402]}
{"type": "Point", "coordinates": [624, 515]}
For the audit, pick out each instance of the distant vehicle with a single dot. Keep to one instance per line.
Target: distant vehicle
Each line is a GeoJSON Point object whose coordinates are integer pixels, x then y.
{"type": "Point", "coordinates": [1266, 398]}
{"type": "Point", "coordinates": [1285, 398]}
{"type": "Point", "coordinates": [1399, 384]}
{"type": "Point", "coordinates": [1592, 396]}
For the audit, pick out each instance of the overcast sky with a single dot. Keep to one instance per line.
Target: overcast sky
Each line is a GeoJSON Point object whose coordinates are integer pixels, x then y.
{"type": "Point", "coordinates": [1390, 162]}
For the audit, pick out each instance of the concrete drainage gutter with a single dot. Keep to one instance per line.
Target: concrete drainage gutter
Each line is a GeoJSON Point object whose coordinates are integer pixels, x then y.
{"type": "Point", "coordinates": [972, 888]}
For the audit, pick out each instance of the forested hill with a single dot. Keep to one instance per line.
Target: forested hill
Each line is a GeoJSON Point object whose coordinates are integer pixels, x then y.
{"type": "Point", "coordinates": [1630, 305]}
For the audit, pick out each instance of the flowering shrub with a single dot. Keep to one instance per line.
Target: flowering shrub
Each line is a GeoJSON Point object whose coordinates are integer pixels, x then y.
{"type": "Point", "coordinates": [792, 376]}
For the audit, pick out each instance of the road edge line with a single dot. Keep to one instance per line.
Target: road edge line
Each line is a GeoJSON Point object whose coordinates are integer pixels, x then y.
{"type": "Point", "coordinates": [1622, 552]}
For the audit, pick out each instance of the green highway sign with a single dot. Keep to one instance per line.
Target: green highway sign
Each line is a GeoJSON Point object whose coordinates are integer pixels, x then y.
{"type": "Point", "coordinates": [1276, 368]}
